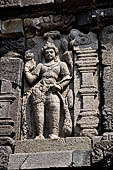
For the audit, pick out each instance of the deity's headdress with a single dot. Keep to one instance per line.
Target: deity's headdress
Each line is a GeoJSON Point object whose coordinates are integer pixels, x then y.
{"type": "Point", "coordinates": [50, 45]}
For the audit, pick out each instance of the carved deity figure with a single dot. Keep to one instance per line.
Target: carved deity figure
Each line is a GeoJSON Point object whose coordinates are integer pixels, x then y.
{"type": "Point", "coordinates": [26, 129]}
{"type": "Point", "coordinates": [48, 79]}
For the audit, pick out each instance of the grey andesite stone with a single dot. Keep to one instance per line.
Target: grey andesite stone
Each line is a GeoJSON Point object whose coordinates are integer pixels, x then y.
{"type": "Point", "coordinates": [81, 158]}
{"type": "Point", "coordinates": [31, 161]}
{"type": "Point", "coordinates": [34, 2]}
{"type": "Point", "coordinates": [61, 144]}
{"type": "Point", "coordinates": [8, 3]}
{"type": "Point", "coordinates": [12, 27]}
{"type": "Point", "coordinates": [47, 153]}
{"type": "Point", "coordinates": [11, 70]}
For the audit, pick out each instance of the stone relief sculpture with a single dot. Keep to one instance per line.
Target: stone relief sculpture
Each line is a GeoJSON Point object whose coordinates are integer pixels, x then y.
{"type": "Point", "coordinates": [31, 64]}
{"type": "Point", "coordinates": [64, 75]}
{"type": "Point", "coordinates": [40, 25]}
{"type": "Point", "coordinates": [48, 80]}
{"type": "Point", "coordinates": [86, 113]}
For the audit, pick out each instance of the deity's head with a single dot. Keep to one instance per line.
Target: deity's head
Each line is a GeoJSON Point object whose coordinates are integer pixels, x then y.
{"type": "Point", "coordinates": [50, 51]}
{"type": "Point", "coordinates": [29, 55]}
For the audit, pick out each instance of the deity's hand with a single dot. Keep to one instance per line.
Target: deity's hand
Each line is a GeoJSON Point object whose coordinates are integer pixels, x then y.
{"type": "Point", "coordinates": [56, 87]}
{"type": "Point", "coordinates": [26, 69]}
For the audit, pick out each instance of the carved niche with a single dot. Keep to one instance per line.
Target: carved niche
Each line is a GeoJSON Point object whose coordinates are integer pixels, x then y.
{"type": "Point", "coordinates": [49, 95]}
{"type": "Point", "coordinates": [79, 100]}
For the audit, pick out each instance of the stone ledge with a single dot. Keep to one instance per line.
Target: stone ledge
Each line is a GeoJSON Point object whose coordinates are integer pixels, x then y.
{"type": "Point", "coordinates": [64, 3]}
{"type": "Point", "coordinates": [57, 159]}
{"type": "Point", "coordinates": [36, 2]}
{"type": "Point", "coordinates": [59, 6]}
{"type": "Point", "coordinates": [61, 144]}
{"type": "Point", "coordinates": [23, 3]}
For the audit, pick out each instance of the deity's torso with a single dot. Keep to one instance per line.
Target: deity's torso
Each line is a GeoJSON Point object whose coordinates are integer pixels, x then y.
{"type": "Point", "coordinates": [50, 73]}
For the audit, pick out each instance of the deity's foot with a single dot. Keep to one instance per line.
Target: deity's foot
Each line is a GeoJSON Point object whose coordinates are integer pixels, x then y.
{"type": "Point", "coordinates": [39, 137]}
{"type": "Point", "coordinates": [52, 136]}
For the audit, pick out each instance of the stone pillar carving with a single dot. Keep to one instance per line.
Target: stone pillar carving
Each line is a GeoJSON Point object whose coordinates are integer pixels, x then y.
{"type": "Point", "coordinates": [86, 112]}
{"type": "Point", "coordinates": [6, 123]}
{"type": "Point", "coordinates": [12, 46]}
{"type": "Point", "coordinates": [102, 155]}
{"type": "Point", "coordinates": [106, 38]}
{"type": "Point", "coordinates": [11, 67]}
{"type": "Point", "coordinates": [10, 75]}
{"type": "Point", "coordinates": [7, 131]}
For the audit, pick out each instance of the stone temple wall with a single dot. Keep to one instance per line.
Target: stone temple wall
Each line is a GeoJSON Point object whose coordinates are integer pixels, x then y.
{"type": "Point", "coordinates": [56, 84]}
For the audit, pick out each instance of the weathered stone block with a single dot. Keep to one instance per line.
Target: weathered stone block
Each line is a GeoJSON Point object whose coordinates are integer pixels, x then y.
{"type": "Point", "coordinates": [106, 37]}
{"type": "Point", "coordinates": [6, 86]}
{"type": "Point", "coordinates": [41, 25]}
{"type": "Point", "coordinates": [96, 139]}
{"type": "Point", "coordinates": [40, 160]}
{"type": "Point", "coordinates": [12, 27]}
{"type": "Point", "coordinates": [5, 151]}
{"type": "Point", "coordinates": [4, 108]}
{"type": "Point", "coordinates": [61, 144]}
{"type": "Point", "coordinates": [89, 122]}
{"type": "Point", "coordinates": [58, 159]}
{"type": "Point", "coordinates": [8, 45]}
{"type": "Point", "coordinates": [8, 3]}
{"type": "Point", "coordinates": [16, 160]}
{"type": "Point", "coordinates": [81, 158]}
{"type": "Point", "coordinates": [6, 141]}
{"type": "Point", "coordinates": [5, 101]}
{"type": "Point", "coordinates": [35, 2]}
{"type": "Point", "coordinates": [48, 160]}
{"type": "Point", "coordinates": [11, 70]}
{"type": "Point", "coordinates": [6, 130]}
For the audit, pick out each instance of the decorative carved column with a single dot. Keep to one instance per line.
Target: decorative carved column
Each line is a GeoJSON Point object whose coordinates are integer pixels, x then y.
{"type": "Point", "coordinates": [6, 123]}
{"type": "Point", "coordinates": [10, 73]}
{"type": "Point", "coordinates": [102, 155]}
{"type": "Point", "coordinates": [7, 131]}
{"type": "Point", "coordinates": [85, 48]}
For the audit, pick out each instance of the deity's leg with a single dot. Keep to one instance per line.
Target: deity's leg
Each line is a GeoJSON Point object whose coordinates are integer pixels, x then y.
{"type": "Point", "coordinates": [39, 119]}
{"type": "Point", "coordinates": [54, 116]}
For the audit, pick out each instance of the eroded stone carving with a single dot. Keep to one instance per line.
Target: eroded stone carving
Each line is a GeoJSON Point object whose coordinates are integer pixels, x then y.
{"type": "Point", "coordinates": [106, 37]}
{"type": "Point", "coordinates": [15, 45]}
{"type": "Point", "coordinates": [31, 64]}
{"type": "Point", "coordinates": [102, 154]}
{"type": "Point", "coordinates": [85, 74]}
{"type": "Point", "coordinates": [4, 156]}
{"type": "Point", "coordinates": [47, 93]}
{"type": "Point", "coordinates": [107, 116]}
{"type": "Point", "coordinates": [62, 23]}
{"type": "Point", "coordinates": [9, 2]}
{"type": "Point", "coordinates": [86, 82]}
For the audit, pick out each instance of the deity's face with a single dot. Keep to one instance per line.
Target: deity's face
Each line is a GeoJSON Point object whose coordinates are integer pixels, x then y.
{"type": "Point", "coordinates": [29, 55]}
{"type": "Point", "coordinates": [49, 54]}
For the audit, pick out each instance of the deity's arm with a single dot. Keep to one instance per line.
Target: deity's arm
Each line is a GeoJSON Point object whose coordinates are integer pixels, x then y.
{"type": "Point", "coordinates": [31, 77]}
{"type": "Point", "coordinates": [65, 74]}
